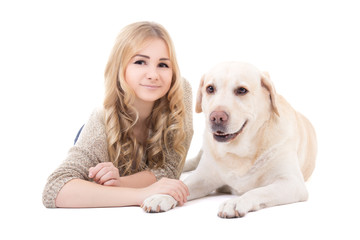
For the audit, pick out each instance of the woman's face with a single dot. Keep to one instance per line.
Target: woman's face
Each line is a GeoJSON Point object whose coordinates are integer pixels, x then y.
{"type": "Point", "coordinates": [149, 71]}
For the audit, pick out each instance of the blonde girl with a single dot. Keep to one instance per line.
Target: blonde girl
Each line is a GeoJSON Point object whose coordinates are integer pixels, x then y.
{"type": "Point", "coordinates": [135, 145]}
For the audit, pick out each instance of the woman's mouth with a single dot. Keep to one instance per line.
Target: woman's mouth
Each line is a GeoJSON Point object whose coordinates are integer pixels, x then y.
{"type": "Point", "coordinates": [149, 86]}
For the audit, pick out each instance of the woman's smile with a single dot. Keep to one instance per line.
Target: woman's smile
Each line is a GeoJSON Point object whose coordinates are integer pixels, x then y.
{"type": "Point", "coordinates": [150, 86]}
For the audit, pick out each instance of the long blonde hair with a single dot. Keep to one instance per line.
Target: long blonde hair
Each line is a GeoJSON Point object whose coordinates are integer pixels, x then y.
{"type": "Point", "coordinates": [167, 117]}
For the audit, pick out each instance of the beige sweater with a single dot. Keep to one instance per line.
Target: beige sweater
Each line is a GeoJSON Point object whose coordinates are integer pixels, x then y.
{"type": "Point", "coordinates": [91, 149]}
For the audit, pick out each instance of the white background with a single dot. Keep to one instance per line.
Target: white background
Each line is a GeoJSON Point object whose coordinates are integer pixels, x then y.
{"type": "Point", "coordinates": [52, 58]}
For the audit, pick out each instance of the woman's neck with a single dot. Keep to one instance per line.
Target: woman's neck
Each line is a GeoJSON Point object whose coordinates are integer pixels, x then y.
{"type": "Point", "coordinates": [144, 110]}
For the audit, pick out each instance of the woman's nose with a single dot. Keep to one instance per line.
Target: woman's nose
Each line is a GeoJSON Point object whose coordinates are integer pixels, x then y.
{"type": "Point", "coordinates": [152, 73]}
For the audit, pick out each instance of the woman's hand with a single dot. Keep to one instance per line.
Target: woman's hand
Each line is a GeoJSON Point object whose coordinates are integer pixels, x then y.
{"type": "Point", "coordinates": [173, 187]}
{"type": "Point", "coordinates": [108, 175]}
{"type": "Point", "coordinates": [105, 174]}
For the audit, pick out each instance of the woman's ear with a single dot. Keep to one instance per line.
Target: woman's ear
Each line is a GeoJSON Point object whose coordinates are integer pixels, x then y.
{"type": "Point", "coordinates": [267, 84]}
{"type": "Point", "coordinates": [198, 108]}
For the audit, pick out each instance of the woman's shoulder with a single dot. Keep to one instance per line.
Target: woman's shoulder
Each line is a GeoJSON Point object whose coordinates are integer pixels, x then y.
{"type": "Point", "coordinates": [96, 120]}
{"type": "Point", "coordinates": [187, 95]}
{"type": "Point", "coordinates": [186, 86]}
{"type": "Point", "coordinates": [97, 114]}
{"type": "Point", "coordinates": [94, 128]}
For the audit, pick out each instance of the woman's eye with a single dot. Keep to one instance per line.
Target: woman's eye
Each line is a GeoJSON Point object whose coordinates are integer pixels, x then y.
{"type": "Point", "coordinates": [163, 65]}
{"type": "Point", "coordinates": [140, 62]}
{"type": "Point", "coordinates": [241, 91]}
{"type": "Point", "coordinates": [210, 89]}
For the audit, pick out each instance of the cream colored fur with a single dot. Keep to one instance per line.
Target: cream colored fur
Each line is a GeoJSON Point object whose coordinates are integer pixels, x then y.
{"type": "Point", "coordinates": [271, 156]}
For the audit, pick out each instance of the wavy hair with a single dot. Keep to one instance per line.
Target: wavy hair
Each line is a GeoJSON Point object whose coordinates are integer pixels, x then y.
{"type": "Point", "coordinates": [166, 132]}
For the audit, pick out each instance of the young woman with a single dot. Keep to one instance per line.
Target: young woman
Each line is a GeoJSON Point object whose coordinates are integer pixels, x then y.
{"type": "Point", "coordinates": [135, 145]}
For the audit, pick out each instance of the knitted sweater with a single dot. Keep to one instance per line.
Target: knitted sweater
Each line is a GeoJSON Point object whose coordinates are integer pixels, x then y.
{"type": "Point", "coordinates": [91, 149]}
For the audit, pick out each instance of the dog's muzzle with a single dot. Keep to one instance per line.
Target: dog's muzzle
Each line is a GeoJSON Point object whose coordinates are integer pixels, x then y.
{"type": "Point", "coordinates": [220, 135]}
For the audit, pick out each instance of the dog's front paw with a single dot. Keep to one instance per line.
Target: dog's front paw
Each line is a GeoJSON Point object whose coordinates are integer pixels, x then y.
{"type": "Point", "coordinates": [158, 203]}
{"type": "Point", "coordinates": [234, 208]}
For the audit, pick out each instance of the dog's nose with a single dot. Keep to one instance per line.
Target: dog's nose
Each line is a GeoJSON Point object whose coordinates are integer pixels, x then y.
{"type": "Point", "coordinates": [219, 117]}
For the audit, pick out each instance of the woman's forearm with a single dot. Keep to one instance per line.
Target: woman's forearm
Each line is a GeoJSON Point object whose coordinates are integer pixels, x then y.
{"type": "Point", "coordinates": [79, 193]}
{"type": "Point", "coordinates": [138, 180]}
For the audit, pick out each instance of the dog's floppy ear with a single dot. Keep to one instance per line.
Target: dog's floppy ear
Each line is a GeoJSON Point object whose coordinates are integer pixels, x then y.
{"type": "Point", "coordinates": [267, 84]}
{"type": "Point", "coordinates": [198, 108]}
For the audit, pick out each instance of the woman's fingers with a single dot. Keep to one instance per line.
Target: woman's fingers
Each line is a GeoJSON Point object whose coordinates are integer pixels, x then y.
{"type": "Point", "coordinates": [94, 170]}
{"type": "Point", "coordinates": [103, 176]}
{"type": "Point", "coordinates": [111, 182]}
{"type": "Point", "coordinates": [175, 188]}
{"type": "Point", "coordinates": [104, 172]}
{"type": "Point", "coordinates": [177, 192]}
{"type": "Point", "coordinates": [184, 191]}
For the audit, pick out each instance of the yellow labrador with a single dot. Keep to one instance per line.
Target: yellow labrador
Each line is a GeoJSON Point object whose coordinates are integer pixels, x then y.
{"type": "Point", "coordinates": [255, 144]}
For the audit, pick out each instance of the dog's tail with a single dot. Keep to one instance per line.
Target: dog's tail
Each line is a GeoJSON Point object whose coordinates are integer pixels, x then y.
{"type": "Point", "coordinates": [191, 164]}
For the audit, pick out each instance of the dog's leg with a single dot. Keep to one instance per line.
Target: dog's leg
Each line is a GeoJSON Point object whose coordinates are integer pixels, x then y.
{"type": "Point", "coordinates": [283, 191]}
{"type": "Point", "coordinates": [199, 185]}
{"type": "Point", "coordinates": [192, 163]}
{"type": "Point", "coordinates": [202, 184]}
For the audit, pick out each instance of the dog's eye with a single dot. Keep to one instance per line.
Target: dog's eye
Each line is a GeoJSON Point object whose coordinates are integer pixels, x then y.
{"type": "Point", "coordinates": [241, 91]}
{"type": "Point", "coordinates": [210, 89]}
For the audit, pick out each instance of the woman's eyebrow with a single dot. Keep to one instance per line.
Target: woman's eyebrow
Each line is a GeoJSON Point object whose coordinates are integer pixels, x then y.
{"type": "Point", "coordinates": [140, 55]}
{"type": "Point", "coordinates": [164, 59]}
{"type": "Point", "coordinates": [147, 57]}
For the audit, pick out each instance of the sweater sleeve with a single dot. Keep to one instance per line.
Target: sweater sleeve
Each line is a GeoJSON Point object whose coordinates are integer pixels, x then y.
{"type": "Point", "coordinates": [90, 149]}
{"type": "Point", "coordinates": [173, 165]}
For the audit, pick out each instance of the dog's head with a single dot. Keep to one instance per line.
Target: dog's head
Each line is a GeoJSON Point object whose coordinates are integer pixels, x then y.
{"type": "Point", "coordinates": [234, 97]}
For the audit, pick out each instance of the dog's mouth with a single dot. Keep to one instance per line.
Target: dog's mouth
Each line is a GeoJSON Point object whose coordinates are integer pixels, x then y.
{"type": "Point", "coordinates": [227, 137]}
